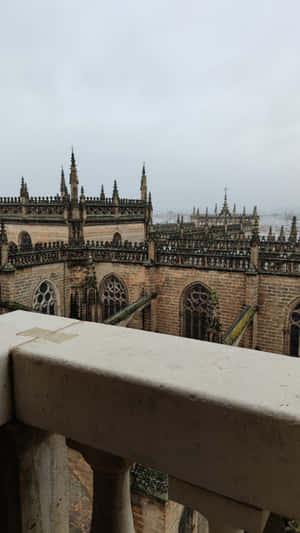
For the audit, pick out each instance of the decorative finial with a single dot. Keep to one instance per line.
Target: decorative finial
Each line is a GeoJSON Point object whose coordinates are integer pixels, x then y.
{"type": "Point", "coordinates": [63, 187]}
{"type": "Point", "coordinates": [282, 234]}
{"type": "Point", "coordinates": [143, 187]}
{"type": "Point", "coordinates": [73, 178]}
{"type": "Point", "coordinates": [293, 232]}
{"type": "Point", "coordinates": [115, 193]}
{"type": "Point", "coordinates": [102, 195]}
{"type": "Point", "coordinates": [270, 234]}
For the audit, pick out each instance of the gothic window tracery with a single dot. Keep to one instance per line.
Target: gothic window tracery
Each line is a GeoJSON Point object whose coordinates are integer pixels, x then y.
{"type": "Point", "coordinates": [45, 299]}
{"type": "Point", "coordinates": [294, 329]}
{"type": "Point", "coordinates": [113, 296]}
{"type": "Point", "coordinates": [198, 312]}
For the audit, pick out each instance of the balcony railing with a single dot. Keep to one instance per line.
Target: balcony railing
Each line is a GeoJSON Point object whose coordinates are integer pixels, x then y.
{"type": "Point", "coordinates": [222, 422]}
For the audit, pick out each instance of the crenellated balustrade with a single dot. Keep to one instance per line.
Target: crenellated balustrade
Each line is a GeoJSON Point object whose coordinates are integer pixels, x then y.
{"type": "Point", "coordinates": [216, 254]}
{"type": "Point", "coordinates": [222, 422]}
{"type": "Point", "coordinates": [44, 253]}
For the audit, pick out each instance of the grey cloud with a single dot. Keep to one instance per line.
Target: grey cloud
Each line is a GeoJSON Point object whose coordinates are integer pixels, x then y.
{"type": "Point", "coordinates": [205, 92]}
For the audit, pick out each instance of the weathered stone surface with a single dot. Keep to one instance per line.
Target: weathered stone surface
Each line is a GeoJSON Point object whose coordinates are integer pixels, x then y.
{"type": "Point", "coordinates": [135, 394]}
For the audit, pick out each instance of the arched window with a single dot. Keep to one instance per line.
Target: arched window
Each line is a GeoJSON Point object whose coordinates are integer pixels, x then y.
{"type": "Point", "coordinates": [44, 299]}
{"type": "Point", "coordinates": [198, 312]}
{"type": "Point", "coordinates": [25, 241]}
{"type": "Point", "coordinates": [294, 330]}
{"type": "Point", "coordinates": [117, 239]}
{"type": "Point", "coordinates": [113, 296]}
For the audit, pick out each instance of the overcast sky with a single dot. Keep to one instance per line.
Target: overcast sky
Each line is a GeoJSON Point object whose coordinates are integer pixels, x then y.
{"type": "Point", "coordinates": [207, 93]}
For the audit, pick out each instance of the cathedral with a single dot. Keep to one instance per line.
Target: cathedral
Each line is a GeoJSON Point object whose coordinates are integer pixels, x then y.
{"type": "Point", "coordinates": [102, 259]}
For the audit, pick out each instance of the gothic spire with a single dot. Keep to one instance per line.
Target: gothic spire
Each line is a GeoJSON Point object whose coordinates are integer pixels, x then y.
{"type": "Point", "coordinates": [73, 178]}
{"type": "Point", "coordinates": [115, 196]}
{"type": "Point", "coordinates": [270, 234]}
{"type": "Point", "coordinates": [225, 199]}
{"type": "Point", "coordinates": [143, 187]}
{"type": "Point", "coordinates": [102, 195]}
{"type": "Point", "coordinates": [293, 232]}
{"type": "Point", "coordinates": [225, 210]}
{"type": "Point", "coordinates": [63, 187]}
{"type": "Point", "coordinates": [22, 188]}
{"type": "Point", "coordinates": [82, 196]}
{"type": "Point", "coordinates": [282, 235]}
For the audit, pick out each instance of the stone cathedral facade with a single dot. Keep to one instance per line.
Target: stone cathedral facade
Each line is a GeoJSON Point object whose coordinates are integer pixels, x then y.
{"type": "Point", "coordinates": [213, 278]}
{"type": "Point", "coordinates": [102, 259]}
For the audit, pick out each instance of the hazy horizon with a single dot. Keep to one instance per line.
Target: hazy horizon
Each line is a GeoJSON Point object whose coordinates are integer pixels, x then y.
{"type": "Point", "coordinates": [206, 93]}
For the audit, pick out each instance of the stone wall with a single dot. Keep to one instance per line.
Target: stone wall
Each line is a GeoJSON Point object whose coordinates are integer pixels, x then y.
{"type": "Point", "coordinates": [135, 278]}
{"type": "Point", "coordinates": [149, 514]}
{"type": "Point", "coordinates": [37, 232]}
{"type": "Point", "coordinates": [59, 232]}
{"type": "Point", "coordinates": [276, 297]}
{"type": "Point", "coordinates": [274, 294]}
{"type": "Point", "coordinates": [130, 232]}
{"type": "Point", "coordinates": [24, 282]}
{"type": "Point", "coordinates": [229, 286]}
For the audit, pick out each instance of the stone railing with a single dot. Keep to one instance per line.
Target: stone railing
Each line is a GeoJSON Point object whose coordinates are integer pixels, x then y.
{"type": "Point", "coordinates": [222, 422]}
{"type": "Point", "coordinates": [279, 262]}
{"type": "Point", "coordinates": [58, 251]}
{"type": "Point", "coordinates": [204, 257]}
{"type": "Point", "coordinates": [216, 254]}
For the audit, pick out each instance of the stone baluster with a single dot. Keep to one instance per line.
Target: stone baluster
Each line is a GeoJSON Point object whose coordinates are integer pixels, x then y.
{"type": "Point", "coordinates": [33, 481]}
{"type": "Point", "coordinates": [224, 515]}
{"type": "Point", "coordinates": [112, 511]}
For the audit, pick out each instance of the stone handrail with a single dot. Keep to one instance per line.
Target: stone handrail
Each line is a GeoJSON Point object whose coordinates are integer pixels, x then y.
{"type": "Point", "coordinates": [223, 422]}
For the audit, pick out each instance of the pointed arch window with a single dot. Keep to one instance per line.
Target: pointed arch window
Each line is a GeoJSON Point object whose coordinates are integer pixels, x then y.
{"type": "Point", "coordinates": [198, 312]}
{"type": "Point", "coordinates": [45, 299]}
{"type": "Point", "coordinates": [294, 330]}
{"type": "Point", "coordinates": [113, 296]}
{"type": "Point", "coordinates": [25, 241]}
{"type": "Point", "coordinates": [117, 239]}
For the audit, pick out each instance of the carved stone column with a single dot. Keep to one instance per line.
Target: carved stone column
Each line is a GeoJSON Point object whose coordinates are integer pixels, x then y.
{"type": "Point", "coordinates": [112, 511]}
{"type": "Point", "coordinates": [33, 481]}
